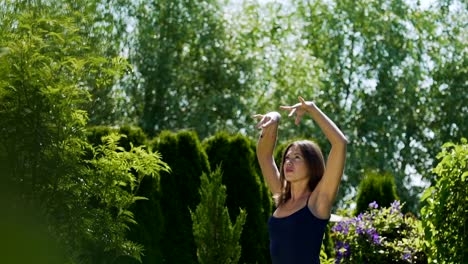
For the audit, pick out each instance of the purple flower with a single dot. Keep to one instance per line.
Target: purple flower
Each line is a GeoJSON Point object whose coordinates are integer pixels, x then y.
{"type": "Point", "coordinates": [359, 230]}
{"type": "Point", "coordinates": [396, 205]}
{"type": "Point", "coordinates": [371, 231]}
{"type": "Point", "coordinates": [337, 227]}
{"type": "Point", "coordinates": [407, 256]}
{"type": "Point", "coordinates": [373, 205]}
{"type": "Point", "coordinates": [360, 216]}
{"type": "Point", "coordinates": [342, 250]}
{"type": "Point", "coordinates": [376, 238]}
{"type": "Point", "coordinates": [346, 230]}
{"type": "Point", "coordinates": [373, 235]}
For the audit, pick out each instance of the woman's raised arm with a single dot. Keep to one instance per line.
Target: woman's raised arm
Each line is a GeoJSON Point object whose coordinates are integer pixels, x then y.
{"type": "Point", "coordinates": [265, 146]}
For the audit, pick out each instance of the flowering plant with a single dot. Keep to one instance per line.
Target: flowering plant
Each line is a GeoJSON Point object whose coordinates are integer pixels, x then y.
{"type": "Point", "coordinates": [382, 235]}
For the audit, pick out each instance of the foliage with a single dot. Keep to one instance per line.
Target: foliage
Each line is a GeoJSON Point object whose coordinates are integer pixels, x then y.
{"type": "Point", "coordinates": [375, 187]}
{"type": "Point", "coordinates": [83, 192]}
{"type": "Point", "coordinates": [372, 68]}
{"type": "Point", "coordinates": [150, 227]}
{"type": "Point", "coordinates": [95, 134]}
{"type": "Point", "coordinates": [105, 193]}
{"type": "Point", "coordinates": [445, 215]}
{"type": "Point", "coordinates": [179, 193]}
{"type": "Point", "coordinates": [389, 73]}
{"type": "Point", "coordinates": [133, 135]}
{"type": "Point", "coordinates": [447, 48]}
{"type": "Point", "coordinates": [380, 236]}
{"type": "Point", "coordinates": [324, 257]}
{"type": "Point", "coordinates": [245, 190]}
{"type": "Point", "coordinates": [216, 237]}
{"type": "Point", "coordinates": [183, 67]}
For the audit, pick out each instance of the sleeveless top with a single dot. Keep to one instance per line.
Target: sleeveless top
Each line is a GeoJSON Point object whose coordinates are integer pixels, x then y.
{"type": "Point", "coordinates": [297, 238]}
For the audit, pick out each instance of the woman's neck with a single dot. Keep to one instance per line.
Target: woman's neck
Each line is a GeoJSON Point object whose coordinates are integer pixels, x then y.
{"type": "Point", "coordinates": [299, 191]}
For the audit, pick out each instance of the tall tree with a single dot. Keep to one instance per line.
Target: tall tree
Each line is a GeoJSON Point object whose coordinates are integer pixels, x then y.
{"type": "Point", "coordinates": [376, 63]}
{"type": "Point", "coordinates": [185, 68]}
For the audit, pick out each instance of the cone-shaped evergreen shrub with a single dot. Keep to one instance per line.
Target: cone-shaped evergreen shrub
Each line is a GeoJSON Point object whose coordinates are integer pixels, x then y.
{"type": "Point", "coordinates": [179, 192]}
{"type": "Point", "coordinates": [217, 239]}
{"type": "Point", "coordinates": [244, 190]}
{"type": "Point", "coordinates": [376, 187]}
{"type": "Point", "coordinates": [148, 231]}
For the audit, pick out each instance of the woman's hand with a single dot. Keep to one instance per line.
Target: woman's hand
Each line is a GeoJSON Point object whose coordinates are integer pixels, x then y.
{"type": "Point", "coordinates": [299, 109]}
{"type": "Point", "coordinates": [267, 119]}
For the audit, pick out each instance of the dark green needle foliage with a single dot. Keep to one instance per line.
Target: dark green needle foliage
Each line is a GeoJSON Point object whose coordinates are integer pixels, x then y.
{"type": "Point", "coordinates": [216, 237]}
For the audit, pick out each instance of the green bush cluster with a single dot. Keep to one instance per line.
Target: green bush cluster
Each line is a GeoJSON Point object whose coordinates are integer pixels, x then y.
{"type": "Point", "coordinates": [385, 235]}
{"type": "Point", "coordinates": [82, 193]}
{"type": "Point", "coordinates": [445, 214]}
{"type": "Point", "coordinates": [163, 222]}
{"type": "Point", "coordinates": [379, 235]}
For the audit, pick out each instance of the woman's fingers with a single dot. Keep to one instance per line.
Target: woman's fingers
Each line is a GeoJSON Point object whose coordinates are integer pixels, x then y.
{"type": "Point", "coordinates": [303, 102]}
{"type": "Point", "coordinates": [257, 116]}
{"type": "Point", "coordinates": [293, 111]}
{"type": "Point", "coordinates": [261, 117]}
{"type": "Point", "coordinates": [285, 107]}
{"type": "Point", "coordinates": [267, 123]}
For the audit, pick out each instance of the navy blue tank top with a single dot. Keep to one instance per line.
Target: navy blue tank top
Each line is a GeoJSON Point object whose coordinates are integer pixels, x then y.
{"type": "Point", "coordinates": [297, 238]}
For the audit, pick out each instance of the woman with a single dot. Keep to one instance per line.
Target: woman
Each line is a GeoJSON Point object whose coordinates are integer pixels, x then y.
{"type": "Point", "coordinates": [304, 188]}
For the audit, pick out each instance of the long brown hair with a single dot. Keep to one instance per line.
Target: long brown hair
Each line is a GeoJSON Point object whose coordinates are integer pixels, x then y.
{"type": "Point", "coordinates": [315, 165]}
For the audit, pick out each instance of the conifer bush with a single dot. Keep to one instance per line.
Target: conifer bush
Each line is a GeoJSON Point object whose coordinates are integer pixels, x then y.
{"type": "Point", "coordinates": [244, 190]}
{"type": "Point", "coordinates": [217, 239]}
{"type": "Point", "coordinates": [184, 154]}
{"type": "Point", "coordinates": [376, 187]}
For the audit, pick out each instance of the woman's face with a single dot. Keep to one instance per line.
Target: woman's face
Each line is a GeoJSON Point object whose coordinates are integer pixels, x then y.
{"type": "Point", "coordinates": [295, 167]}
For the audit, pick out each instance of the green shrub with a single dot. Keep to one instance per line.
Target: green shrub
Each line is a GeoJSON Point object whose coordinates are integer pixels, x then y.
{"type": "Point", "coordinates": [44, 86]}
{"type": "Point", "coordinates": [244, 190]}
{"type": "Point", "coordinates": [445, 215]}
{"type": "Point", "coordinates": [375, 188]}
{"type": "Point", "coordinates": [183, 152]}
{"type": "Point", "coordinates": [216, 237]}
{"type": "Point", "coordinates": [105, 193]}
{"type": "Point", "coordinates": [383, 236]}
